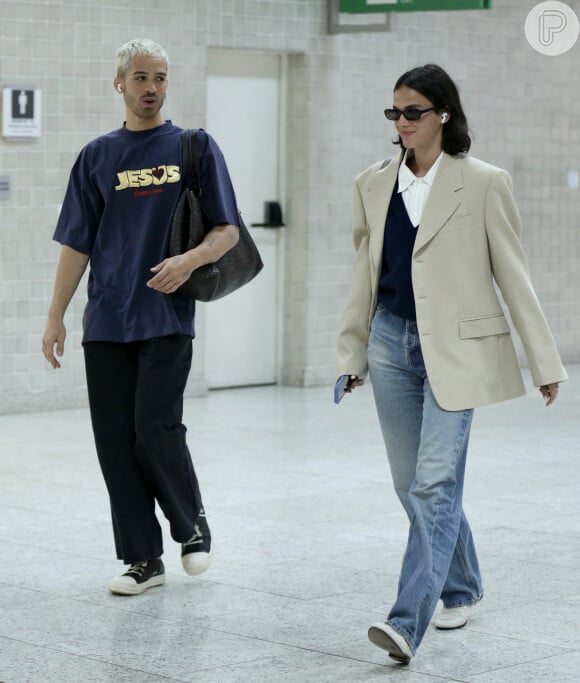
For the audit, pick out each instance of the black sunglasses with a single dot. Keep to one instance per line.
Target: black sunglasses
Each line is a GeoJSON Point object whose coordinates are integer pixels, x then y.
{"type": "Point", "coordinates": [410, 113]}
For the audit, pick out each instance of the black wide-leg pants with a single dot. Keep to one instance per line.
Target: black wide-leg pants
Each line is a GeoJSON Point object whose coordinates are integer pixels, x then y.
{"type": "Point", "coordinates": [136, 403]}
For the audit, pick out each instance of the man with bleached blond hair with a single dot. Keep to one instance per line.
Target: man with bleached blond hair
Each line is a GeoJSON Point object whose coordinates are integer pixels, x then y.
{"type": "Point", "coordinates": [137, 332]}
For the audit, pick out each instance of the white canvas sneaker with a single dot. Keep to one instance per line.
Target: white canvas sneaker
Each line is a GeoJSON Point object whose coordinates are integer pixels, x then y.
{"type": "Point", "coordinates": [138, 578]}
{"type": "Point", "coordinates": [384, 636]}
{"type": "Point", "coordinates": [453, 617]}
{"type": "Point", "coordinates": [196, 553]}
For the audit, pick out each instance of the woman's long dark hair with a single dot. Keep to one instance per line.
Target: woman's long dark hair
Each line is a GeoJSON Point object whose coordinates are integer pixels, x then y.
{"type": "Point", "coordinates": [435, 84]}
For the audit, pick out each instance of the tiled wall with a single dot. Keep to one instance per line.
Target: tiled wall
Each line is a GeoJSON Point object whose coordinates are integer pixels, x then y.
{"type": "Point", "coordinates": [522, 107]}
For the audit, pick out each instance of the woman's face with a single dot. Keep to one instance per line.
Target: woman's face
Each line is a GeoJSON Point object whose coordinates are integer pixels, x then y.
{"type": "Point", "coordinates": [425, 134]}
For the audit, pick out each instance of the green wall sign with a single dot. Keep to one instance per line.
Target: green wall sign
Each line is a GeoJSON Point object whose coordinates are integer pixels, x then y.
{"type": "Point", "coordinates": [365, 6]}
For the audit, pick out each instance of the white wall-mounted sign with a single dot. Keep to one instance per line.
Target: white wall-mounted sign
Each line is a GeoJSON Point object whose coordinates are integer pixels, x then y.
{"type": "Point", "coordinates": [21, 112]}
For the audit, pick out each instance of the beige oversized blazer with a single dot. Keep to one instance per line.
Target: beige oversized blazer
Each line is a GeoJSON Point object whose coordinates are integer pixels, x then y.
{"type": "Point", "coordinates": [468, 242]}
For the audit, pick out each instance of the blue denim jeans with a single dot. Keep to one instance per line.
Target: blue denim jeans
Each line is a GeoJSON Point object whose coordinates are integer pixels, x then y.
{"type": "Point", "coordinates": [426, 447]}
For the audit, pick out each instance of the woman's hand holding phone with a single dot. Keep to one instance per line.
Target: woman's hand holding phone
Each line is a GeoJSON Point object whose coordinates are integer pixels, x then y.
{"type": "Point", "coordinates": [344, 385]}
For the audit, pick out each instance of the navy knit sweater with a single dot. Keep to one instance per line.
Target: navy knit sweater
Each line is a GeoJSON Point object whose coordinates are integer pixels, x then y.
{"type": "Point", "coordinates": [395, 285]}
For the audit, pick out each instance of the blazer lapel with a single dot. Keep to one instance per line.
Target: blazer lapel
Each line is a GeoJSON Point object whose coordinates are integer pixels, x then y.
{"type": "Point", "coordinates": [376, 202]}
{"type": "Point", "coordinates": [442, 201]}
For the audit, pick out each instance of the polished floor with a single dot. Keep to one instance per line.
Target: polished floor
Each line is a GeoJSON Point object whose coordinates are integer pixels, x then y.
{"type": "Point", "coordinates": [308, 540]}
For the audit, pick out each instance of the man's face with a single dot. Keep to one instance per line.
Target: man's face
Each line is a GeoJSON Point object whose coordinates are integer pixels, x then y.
{"type": "Point", "coordinates": [144, 87]}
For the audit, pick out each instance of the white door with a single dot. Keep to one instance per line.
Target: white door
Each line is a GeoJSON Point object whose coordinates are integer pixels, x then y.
{"type": "Point", "coordinates": [243, 115]}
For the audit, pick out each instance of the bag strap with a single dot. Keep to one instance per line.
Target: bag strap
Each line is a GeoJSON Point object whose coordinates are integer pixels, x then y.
{"type": "Point", "coordinates": [190, 160]}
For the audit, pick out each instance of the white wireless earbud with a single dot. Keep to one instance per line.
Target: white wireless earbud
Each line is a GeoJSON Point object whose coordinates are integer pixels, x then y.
{"type": "Point", "coordinates": [444, 118]}
{"type": "Point", "coordinates": [119, 87]}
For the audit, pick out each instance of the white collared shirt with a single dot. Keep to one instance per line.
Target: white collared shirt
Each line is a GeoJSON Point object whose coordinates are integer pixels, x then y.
{"type": "Point", "coordinates": [416, 190]}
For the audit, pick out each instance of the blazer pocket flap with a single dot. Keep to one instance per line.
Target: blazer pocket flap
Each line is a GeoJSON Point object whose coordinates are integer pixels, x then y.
{"type": "Point", "coordinates": [483, 327]}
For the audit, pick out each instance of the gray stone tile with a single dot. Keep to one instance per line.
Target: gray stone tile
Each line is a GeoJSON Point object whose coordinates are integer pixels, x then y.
{"type": "Point", "coordinates": [378, 599]}
{"type": "Point", "coordinates": [561, 668]}
{"type": "Point", "coordinates": [190, 598]}
{"type": "Point", "coordinates": [527, 546]}
{"type": "Point", "coordinates": [304, 624]}
{"type": "Point", "coordinates": [453, 655]}
{"type": "Point", "coordinates": [308, 540]}
{"type": "Point", "coordinates": [302, 580]}
{"type": "Point", "coordinates": [315, 667]}
{"type": "Point", "coordinates": [53, 572]}
{"type": "Point", "coordinates": [172, 648]}
{"type": "Point", "coordinates": [25, 663]}
{"type": "Point", "coordinates": [533, 580]}
{"type": "Point", "coordinates": [548, 622]}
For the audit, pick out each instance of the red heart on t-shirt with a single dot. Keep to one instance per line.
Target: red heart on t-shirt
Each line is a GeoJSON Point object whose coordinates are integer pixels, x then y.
{"type": "Point", "coordinates": [158, 172]}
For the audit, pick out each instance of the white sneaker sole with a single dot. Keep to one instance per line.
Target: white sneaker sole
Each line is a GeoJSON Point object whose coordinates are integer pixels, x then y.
{"type": "Point", "coordinates": [383, 636]}
{"type": "Point", "coordinates": [196, 563]}
{"type": "Point", "coordinates": [118, 587]}
{"type": "Point", "coordinates": [452, 618]}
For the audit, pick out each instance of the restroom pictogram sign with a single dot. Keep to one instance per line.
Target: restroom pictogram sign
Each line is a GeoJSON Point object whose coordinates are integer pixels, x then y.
{"type": "Point", "coordinates": [21, 112]}
{"type": "Point", "coordinates": [22, 104]}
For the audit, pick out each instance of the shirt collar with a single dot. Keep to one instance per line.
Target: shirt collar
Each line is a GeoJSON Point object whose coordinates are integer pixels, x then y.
{"type": "Point", "coordinates": [407, 177]}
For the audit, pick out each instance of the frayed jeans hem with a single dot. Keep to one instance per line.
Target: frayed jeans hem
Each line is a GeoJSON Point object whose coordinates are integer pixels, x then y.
{"type": "Point", "coordinates": [468, 603]}
{"type": "Point", "coordinates": [403, 633]}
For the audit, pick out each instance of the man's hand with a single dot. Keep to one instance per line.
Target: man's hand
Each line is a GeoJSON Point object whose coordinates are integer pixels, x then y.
{"type": "Point", "coordinates": [171, 273]}
{"type": "Point", "coordinates": [71, 266]}
{"type": "Point", "coordinates": [54, 334]}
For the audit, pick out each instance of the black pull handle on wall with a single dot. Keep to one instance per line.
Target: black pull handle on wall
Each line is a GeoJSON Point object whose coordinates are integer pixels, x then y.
{"type": "Point", "coordinates": [272, 216]}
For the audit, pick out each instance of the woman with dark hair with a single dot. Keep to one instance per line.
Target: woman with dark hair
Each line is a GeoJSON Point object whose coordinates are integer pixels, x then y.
{"type": "Point", "coordinates": [434, 232]}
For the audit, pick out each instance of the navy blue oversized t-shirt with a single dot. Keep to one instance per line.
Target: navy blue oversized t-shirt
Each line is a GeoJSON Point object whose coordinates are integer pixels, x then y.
{"type": "Point", "coordinates": [118, 207]}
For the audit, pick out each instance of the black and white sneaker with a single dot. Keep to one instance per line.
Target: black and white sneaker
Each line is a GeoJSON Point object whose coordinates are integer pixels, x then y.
{"type": "Point", "coordinates": [195, 553]}
{"type": "Point", "coordinates": [138, 578]}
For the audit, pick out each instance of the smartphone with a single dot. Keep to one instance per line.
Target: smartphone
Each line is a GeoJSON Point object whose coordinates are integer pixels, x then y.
{"type": "Point", "coordinates": [340, 388]}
